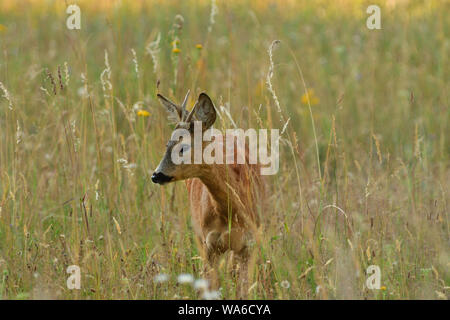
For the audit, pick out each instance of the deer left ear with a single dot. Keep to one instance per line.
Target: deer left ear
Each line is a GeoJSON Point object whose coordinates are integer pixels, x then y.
{"type": "Point", "coordinates": [203, 111]}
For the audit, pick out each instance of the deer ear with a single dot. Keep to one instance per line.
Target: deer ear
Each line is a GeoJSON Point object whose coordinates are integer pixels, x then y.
{"type": "Point", "coordinates": [203, 111]}
{"type": "Point", "coordinates": [170, 106]}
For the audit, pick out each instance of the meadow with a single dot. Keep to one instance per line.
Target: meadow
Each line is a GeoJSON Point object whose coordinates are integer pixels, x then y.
{"type": "Point", "coordinates": [364, 155]}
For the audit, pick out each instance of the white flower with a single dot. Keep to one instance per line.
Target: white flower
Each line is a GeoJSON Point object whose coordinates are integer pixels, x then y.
{"type": "Point", "coordinates": [82, 92]}
{"type": "Point", "coordinates": [161, 277]}
{"type": "Point", "coordinates": [285, 284]}
{"type": "Point", "coordinates": [201, 284]}
{"type": "Point", "coordinates": [138, 106]}
{"type": "Point", "coordinates": [130, 166]}
{"type": "Point", "coordinates": [318, 288]}
{"type": "Point", "coordinates": [211, 295]}
{"type": "Point", "coordinates": [185, 278]}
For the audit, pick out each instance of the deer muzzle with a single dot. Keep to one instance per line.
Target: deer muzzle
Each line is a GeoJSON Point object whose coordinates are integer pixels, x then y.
{"type": "Point", "coordinates": [161, 178]}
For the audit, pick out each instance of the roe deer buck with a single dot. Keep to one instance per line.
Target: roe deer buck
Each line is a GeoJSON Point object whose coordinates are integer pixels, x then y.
{"type": "Point", "coordinates": [224, 198]}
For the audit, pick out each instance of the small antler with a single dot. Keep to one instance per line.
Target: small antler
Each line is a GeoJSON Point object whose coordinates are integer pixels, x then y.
{"type": "Point", "coordinates": [183, 106]}
{"type": "Point", "coordinates": [189, 117]}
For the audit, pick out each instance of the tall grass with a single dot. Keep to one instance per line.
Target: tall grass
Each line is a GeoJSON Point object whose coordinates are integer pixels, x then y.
{"type": "Point", "coordinates": [364, 176]}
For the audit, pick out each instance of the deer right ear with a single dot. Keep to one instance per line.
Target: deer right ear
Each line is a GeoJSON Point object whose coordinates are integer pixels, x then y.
{"type": "Point", "coordinates": [203, 111]}
{"type": "Point", "coordinates": [170, 106]}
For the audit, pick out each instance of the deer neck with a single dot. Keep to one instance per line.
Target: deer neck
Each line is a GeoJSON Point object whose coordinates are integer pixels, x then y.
{"type": "Point", "coordinates": [219, 180]}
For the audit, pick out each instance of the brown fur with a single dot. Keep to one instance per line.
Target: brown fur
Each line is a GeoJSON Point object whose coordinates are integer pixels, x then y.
{"type": "Point", "coordinates": [226, 199]}
{"type": "Point", "coordinates": [225, 202]}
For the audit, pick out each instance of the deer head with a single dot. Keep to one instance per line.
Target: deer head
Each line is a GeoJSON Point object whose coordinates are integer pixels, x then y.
{"type": "Point", "coordinates": [169, 170]}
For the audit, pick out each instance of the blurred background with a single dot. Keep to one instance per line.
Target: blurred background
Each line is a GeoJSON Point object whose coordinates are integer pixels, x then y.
{"type": "Point", "coordinates": [364, 165]}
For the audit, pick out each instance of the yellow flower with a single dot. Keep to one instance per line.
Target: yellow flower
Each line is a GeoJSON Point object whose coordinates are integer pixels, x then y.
{"type": "Point", "coordinates": [383, 288]}
{"type": "Point", "coordinates": [311, 97]}
{"type": "Point", "coordinates": [2, 28]}
{"type": "Point", "coordinates": [199, 46]}
{"type": "Point", "coordinates": [176, 50]}
{"type": "Point", "coordinates": [143, 113]}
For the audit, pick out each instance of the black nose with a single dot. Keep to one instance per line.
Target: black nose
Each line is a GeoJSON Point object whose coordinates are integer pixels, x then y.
{"type": "Point", "coordinates": [161, 178]}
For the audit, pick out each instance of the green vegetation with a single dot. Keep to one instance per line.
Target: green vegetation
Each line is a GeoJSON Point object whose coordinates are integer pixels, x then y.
{"type": "Point", "coordinates": [77, 147]}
